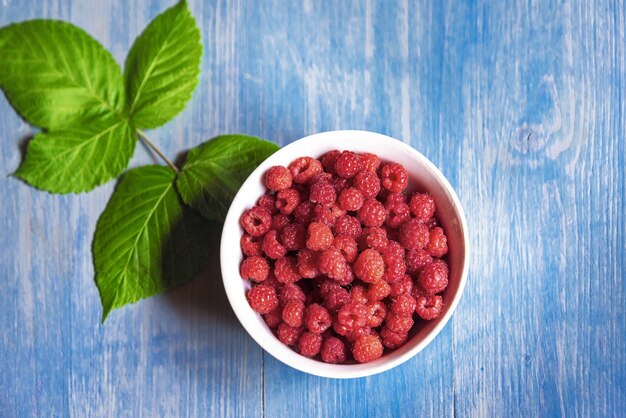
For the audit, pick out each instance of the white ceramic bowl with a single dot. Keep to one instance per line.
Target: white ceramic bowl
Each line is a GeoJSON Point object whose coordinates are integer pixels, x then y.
{"type": "Point", "coordinates": [424, 177]}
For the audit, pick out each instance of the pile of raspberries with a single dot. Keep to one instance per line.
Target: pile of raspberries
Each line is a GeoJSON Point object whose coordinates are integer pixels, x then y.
{"type": "Point", "coordinates": [342, 260]}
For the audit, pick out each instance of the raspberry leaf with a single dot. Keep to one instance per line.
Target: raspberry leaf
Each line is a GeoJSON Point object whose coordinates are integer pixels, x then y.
{"type": "Point", "coordinates": [146, 240]}
{"type": "Point", "coordinates": [162, 68]}
{"type": "Point", "coordinates": [215, 170]}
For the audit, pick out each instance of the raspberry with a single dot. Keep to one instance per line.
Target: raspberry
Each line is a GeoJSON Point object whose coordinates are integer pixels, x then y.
{"type": "Point", "coordinates": [347, 246]}
{"type": "Point", "coordinates": [329, 159]}
{"type": "Point", "coordinates": [414, 234]}
{"type": "Point", "coordinates": [273, 318]}
{"type": "Point", "coordinates": [432, 222]}
{"type": "Point", "coordinates": [348, 164]}
{"type": "Point", "coordinates": [291, 292]}
{"type": "Point", "coordinates": [358, 294]}
{"type": "Point", "coordinates": [437, 242]}
{"type": "Point", "coordinates": [256, 221]}
{"type": "Point", "coordinates": [293, 237]}
{"type": "Point", "coordinates": [395, 266]}
{"type": "Point", "coordinates": [280, 221]}
{"type": "Point", "coordinates": [278, 178]}
{"type": "Point", "coordinates": [370, 162]}
{"type": "Point", "coordinates": [287, 200]}
{"type": "Point", "coordinates": [335, 299]}
{"type": "Point", "coordinates": [333, 264]}
{"type": "Point", "coordinates": [286, 270]}
{"type": "Point", "coordinates": [320, 237]}
{"type": "Point", "coordinates": [398, 215]}
{"type": "Point", "coordinates": [367, 348]}
{"type": "Point", "coordinates": [309, 344]}
{"type": "Point", "coordinates": [392, 339]}
{"type": "Point", "coordinates": [429, 307]}
{"type": "Point", "coordinates": [372, 213]}
{"type": "Point", "coordinates": [353, 335]}
{"type": "Point", "coordinates": [370, 266]}
{"type": "Point", "coordinates": [367, 183]}
{"type": "Point", "coordinates": [307, 263]}
{"type": "Point", "coordinates": [304, 168]}
{"type": "Point", "coordinates": [434, 277]}
{"type": "Point", "coordinates": [333, 351]}
{"type": "Point", "coordinates": [376, 312]}
{"type": "Point", "coordinates": [271, 247]}
{"type": "Point", "coordinates": [262, 299]}
{"type": "Point", "coordinates": [268, 203]}
{"type": "Point", "coordinates": [416, 260]}
{"type": "Point", "coordinates": [293, 313]}
{"type": "Point", "coordinates": [322, 177]}
{"type": "Point", "coordinates": [271, 281]}
{"type": "Point", "coordinates": [398, 323]}
{"type": "Point", "coordinates": [323, 194]}
{"type": "Point", "coordinates": [375, 238]}
{"type": "Point", "coordinates": [254, 268]}
{"type": "Point", "coordinates": [394, 177]}
{"type": "Point", "coordinates": [328, 286]}
{"type": "Point", "coordinates": [348, 225]}
{"type": "Point", "coordinates": [340, 184]}
{"type": "Point", "coordinates": [394, 199]}
{"type": "Point", "coordinates": [249, 245]}
{"type": "Point", "coordinates": [288, 335]}
{"type": "Point", "coordinates": [317, 319]}
{"type": "Point", "coordinates": [423, 206]}
{"type": "Point", "coordinates": [352, 315]}
{"type": "Point", "coordinates": [323, 214]}
{"type": "Point", "coordinates": [378, 291]}
{"type": "Point", "coordinates": [403, 305]}
{"type": "Point", "coordinates": [303, 214]}
{"type": "Point", "coordinates": [351, 199]}
{"type": "Point", "coordinates": [405, 285]}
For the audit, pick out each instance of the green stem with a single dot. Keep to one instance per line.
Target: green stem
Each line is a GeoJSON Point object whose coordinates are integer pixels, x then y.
{"type": "Point", "coordinates": [146, 141]}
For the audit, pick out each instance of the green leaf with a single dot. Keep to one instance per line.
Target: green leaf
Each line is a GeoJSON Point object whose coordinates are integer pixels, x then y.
{"type": "Point", "coordinates": [162, 68]}
{"type": "Point", "coordinates": [78, 159]}
{"type": "Point", "coordinates": [146, 240]}
{"type": "Point", "coordinates": [215, 170]}
{"type": "Point", "coordinates": [55, 74]}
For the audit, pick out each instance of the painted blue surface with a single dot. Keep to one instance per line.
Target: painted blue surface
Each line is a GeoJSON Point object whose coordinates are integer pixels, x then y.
{"type": "Point", "coordinates": [520, 103]}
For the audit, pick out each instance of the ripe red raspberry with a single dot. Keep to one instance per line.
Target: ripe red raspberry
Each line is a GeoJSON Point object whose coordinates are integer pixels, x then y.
{"type": "Point", "coordinates": [317, 319]}
{"type": "Point", "coordinates": [323, 194]}
{"type": "Point", "coordinates": [351, 199]}
{"type": "Point", "coordinates": [395, 265]}
{"type": "Point", "coordinates": [286, 270]}
{"type": "Point", "coordinates": [262, 299]}
{"type": "Point", "coordinates": [273, 318]}
{"type": "Point", "coordinates": [434, 277]}
{"type": "Point", "coordinates": [367, 183]}
{"type": "Point", "coordinates": [254, 268]}
{"type": "Point", "coordinates": [271, 247]}
{"type": "Point", "coordinates": [370, 162]}
{"type": "Point", "coordinates": [268, 203]}
{"type": "Point", "coordinates": [333, 351]}
{"type": "Point", "coordinates": [376, 311]}
{"type": "Point", "coordinates": [367, 348]}
{"type": "Point", "coordinates": [358, 294]}
{"type": "Point", "coordinates": [394, 177]}
{"type": "Point", "coordinates": [370, 266]}
{"type": "Point", "coordinates": [348, 225]}
{"type": "Point", "coordinates": [309, 344]}
{"type": "Point", "coordinates": [432, 222]}
{"type": "Point", "coordinates": [398, 215]}
{"type": "Point", "coordinates": [398, 323]}
{"type": "Point", "coordinates": [372, 213]}
{"type": "Point", "coordinates": [307, 263]}
{"type": "Point", "coordinates": [293, 237]}
{"type": "Point", "coordinates": [326, 286]}
{"type": "Point", "coordinates": [304, 168]}
{"type": "Point", "coordinates": [333, 264]}
{"type": "Point", "coordinates": [348, 164]}
{"type": "Point", "coordinates": [403, 305]}
{"type": "Point", "coordinates": [375, 238]}
{"type": "Point", "coordinates": [378, 291]}
{"type": "Point", "coordinates": [287, 200]}
{"type": "Point", "coordinates": [293, 313]}
{"type": "Point", "coordinates": [303, 214]}
{"type": "Point", "coordinates": [347, 246]}
{"type": "Point", "coordinates": [278, 178]}
{"type": "Point", "coordinates": [323, 214]}
{"type": "Point", "coordinates": [249, 245]}
{"type": "Point", "coordinates": [329, 159]}
{"type": "Point", "coordinates": [437, 242]}
{"type": "Point", "coordinates": [319, 237]}
{"type": "Point", "coordinates": [394, 199]}
{"type": "Point", "coordinates": [414, 234]}
{"type": "Point", "coordinates": [423, 206]}
{"type": "Point", "coordinates": [429, 307]}
{"type": "Point", "coordinates": [271, 281]}
{"type": "Point", "coordinates": [291, 292]}
{"type": "Point", "coordinates": [392, 339]}
{"type": "Point", "coordinates": [280, 221]}
{"type": "Point", "coordinates": [354, 335]}
{"type": "Point", "coordinates": [321, 178]}
{"type": "Point", "coordinates": [405, 285]}
{"type": "Point", "coordinates": [256, 221]}
{"type": "Point", "coordinates": [340, 184]}
{"type": "Point", "coordinates": [335, 299]}
{"type": "Point", "coordinates": [288, 335]}
{"type": "Point", "coordinates": [416, 260]}
{"type": "Point", "coordinates": [352, 315]}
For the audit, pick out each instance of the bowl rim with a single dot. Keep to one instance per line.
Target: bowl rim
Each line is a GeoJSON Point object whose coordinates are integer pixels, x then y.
{"type": "Point", "coordinates": [354, 370]}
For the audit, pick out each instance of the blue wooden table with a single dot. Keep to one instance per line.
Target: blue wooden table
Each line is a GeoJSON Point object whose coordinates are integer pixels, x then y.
{"type": "Point", "coordinates": [522, 104]}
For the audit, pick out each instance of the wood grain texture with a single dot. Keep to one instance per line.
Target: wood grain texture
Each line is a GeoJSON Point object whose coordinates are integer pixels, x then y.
{"type": "Point", "coordinates": [520, 103]}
